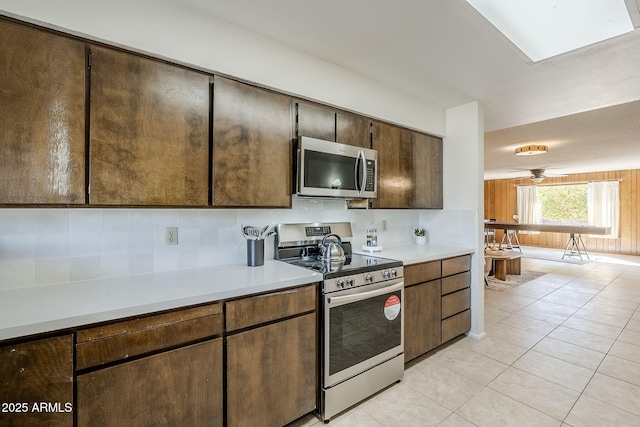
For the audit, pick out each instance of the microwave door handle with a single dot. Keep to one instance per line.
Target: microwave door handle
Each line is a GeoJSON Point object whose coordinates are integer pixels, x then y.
{"type": "Point", "coordinates": [342, 300]}
{"type": "Point", "coordinates": [361, 168]}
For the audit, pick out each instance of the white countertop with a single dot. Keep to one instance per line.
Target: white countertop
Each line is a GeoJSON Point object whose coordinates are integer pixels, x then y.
{"type": "Point", "coordinates": [40, 309]}
{"type": "Point", "coordinates": [33, 310]}
{"type": "Point", "coordinates": [413, 254]}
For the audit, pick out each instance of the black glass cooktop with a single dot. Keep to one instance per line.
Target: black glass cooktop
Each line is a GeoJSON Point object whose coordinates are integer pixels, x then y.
{"type": "Point", "coordinates": [353, 264]}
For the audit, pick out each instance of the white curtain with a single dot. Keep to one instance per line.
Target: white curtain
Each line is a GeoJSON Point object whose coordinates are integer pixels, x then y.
{"type": "Point", "coordinates": [529, 208]}
{"type": "Point", "coordinates": [603, 203]}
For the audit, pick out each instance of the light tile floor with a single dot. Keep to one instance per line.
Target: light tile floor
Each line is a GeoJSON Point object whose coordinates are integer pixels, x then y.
{"type": "Point", "coordinates": [562, 350]}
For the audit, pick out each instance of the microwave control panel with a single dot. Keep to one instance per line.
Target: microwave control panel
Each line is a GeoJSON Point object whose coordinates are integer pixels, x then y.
{"type": "Point", "coordinates": [371, 176]}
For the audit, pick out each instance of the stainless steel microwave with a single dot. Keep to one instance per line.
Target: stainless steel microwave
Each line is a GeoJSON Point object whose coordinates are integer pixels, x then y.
{"type": "Point", "coordinates": [329, 169]}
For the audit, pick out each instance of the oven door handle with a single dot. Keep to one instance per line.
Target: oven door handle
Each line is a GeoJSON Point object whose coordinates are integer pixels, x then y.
{"type": "Point", "coordinates": [338, 301]}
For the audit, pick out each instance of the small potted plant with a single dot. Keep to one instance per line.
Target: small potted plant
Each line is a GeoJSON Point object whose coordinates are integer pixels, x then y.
{"type": "Point", "coordinates": [421, 236]}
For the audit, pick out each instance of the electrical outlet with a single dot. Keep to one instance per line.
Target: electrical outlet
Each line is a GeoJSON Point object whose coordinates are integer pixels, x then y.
{"type": "Point", "coordinates": [384, 225]}
{"type": "Point", "coordinates": [171, 236]}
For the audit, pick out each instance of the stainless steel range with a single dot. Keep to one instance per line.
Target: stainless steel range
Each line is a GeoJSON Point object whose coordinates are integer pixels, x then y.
{"type": "Point", "coordinates": [362, 327]}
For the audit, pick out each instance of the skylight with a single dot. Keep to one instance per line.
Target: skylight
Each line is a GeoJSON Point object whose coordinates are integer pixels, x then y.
{"type": "Point", "coordinates": [545, 28]}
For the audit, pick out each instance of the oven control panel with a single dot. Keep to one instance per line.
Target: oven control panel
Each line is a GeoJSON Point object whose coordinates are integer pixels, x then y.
{"type": "Point", "coordinates": [317, 231]}
{"type": "Point", "coordinates": [362, 279]}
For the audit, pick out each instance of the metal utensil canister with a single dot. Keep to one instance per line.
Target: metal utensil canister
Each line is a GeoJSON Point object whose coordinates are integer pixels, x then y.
{"type": "Point", "coordinates": [255, 252]}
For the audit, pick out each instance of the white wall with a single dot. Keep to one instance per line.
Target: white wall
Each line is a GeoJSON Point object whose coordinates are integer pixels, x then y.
{"type": "Point", "coordinates": [46, 246]}
{"type": "Point", "coordinates": [168, 29]}
{"type": "Point", "coordinates": [461, 221]}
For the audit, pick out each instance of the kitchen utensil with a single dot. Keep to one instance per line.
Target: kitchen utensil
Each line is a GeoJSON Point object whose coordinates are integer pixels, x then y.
{"type": "Point", "coordinates": [255, 233]}
{"type": "Point", "coordinates": [246, 231]}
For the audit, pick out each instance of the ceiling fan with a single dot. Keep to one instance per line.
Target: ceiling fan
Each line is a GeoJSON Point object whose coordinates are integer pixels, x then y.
{"type": "Point", "coordinates": [538, 175]}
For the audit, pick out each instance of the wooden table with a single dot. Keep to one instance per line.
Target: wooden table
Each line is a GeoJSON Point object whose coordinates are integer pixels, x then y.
{"type": "Point", "coordinates": [505, 262]}
{"type": "Point", "coordinates": [575, 241]}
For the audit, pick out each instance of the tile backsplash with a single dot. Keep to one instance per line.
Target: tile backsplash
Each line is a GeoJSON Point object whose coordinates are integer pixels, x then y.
{"type": "Point", "coordinates": [46, 246]}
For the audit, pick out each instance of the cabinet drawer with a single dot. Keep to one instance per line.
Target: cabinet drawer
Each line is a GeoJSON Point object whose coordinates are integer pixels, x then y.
{"type": "Point", "coordinates": [456, 265]}
{"type": "Point", "coordinates": [419, 273]}
{"type": "Point", "coordinates": [456, 302]}
{"type": "Point", "coordinates": [456, 282]}
{"type": "Point", "coordinates": [456, 325]}
{"type": "Point", "coordinates": [120, 340]}
{"type": "Point", "coordinates": [247, 312]}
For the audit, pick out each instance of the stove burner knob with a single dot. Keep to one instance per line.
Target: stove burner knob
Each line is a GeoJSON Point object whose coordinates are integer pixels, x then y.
{"type": "Point", "coordinates": [394, 273]}
{"type": "Point", "coordinates": [386, 274]}
{"type": "Point", "coordinates": [349, 281]}
{"type": "Point", "coordinates": [368, 278]}
{"type": "Point", "coordinates": [340, 283]}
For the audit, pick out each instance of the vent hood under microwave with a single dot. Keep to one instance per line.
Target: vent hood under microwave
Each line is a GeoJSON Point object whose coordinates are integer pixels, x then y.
{"type": "Point", "coordinates": [329, 169]}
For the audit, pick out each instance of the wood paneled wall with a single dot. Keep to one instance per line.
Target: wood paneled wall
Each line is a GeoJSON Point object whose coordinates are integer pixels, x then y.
{"type": "Point", "coordinates": [500, 203]}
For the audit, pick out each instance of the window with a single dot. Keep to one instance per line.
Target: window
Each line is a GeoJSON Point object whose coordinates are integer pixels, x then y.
{"type": "Point", "coordinates": [596, 204]}
{"type": "Point", "coordinates": [564, 204]}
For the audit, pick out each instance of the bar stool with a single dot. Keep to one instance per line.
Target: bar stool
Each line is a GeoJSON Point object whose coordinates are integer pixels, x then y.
{"type": "Point", "coordinates": [511, 236]}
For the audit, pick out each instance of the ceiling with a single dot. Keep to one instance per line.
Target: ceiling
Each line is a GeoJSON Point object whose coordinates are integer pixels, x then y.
{"type": "Point", "coordinates": [581, 104]}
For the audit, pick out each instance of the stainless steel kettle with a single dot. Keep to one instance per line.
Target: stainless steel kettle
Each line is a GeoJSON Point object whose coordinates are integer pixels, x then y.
{"type": "Point", "coordinates": [331, 251]}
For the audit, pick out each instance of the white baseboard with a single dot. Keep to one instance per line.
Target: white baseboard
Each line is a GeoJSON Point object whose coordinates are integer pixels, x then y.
{"type": "Point", "coordinates": [476, 336]}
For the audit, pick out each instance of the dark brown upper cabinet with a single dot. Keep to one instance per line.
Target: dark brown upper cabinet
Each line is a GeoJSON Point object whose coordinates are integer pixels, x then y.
{"type": "Point", "coordinates": [427, 171]}
{"type": "Point", "coordinates": [149, 142]}
{"type": "Point", "coordinates": [316, 121]}
{"type": "Point", "coordinates": [353, 129]}
{"type": "Point", "coordinates": [42, 117]}
{"type": "Point", "coordinates": [395, 166]}
{"type": "Point", "coordinates": [321, 122]}
{"type": "Point", "coordinates": [252, 133]}
{"type": "Point", "coordinates": [410, 168]}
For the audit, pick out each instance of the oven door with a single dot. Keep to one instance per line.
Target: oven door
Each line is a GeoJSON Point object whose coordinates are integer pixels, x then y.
{"type": "Point", "coordinates": [362, 328]}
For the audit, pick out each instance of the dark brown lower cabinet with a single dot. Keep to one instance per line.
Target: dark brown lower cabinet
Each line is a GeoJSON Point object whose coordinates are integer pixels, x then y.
{"type": "Point", "coordinates": [181, 387]}
{"type": "Point", "coordinates": [437, 303]}
{"type": "Point", "coordinates": [272, 373]}
{"type": "Point", "coordinates": [456, 325]}
{"type": "Point", "coordinates": [422, 318]}
{"type": "Point", "coordinates": [36, 383]}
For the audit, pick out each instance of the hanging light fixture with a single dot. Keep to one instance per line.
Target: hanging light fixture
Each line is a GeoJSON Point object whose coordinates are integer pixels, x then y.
{"type": "Point", "coordinates": [531, 150]}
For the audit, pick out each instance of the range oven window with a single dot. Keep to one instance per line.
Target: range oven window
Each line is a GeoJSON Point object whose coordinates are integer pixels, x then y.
{"type": "Point", "coordinates": [361, 330]}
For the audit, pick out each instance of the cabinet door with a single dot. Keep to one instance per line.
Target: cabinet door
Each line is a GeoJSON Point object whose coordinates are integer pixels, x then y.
{"type": "Point", "coordinates": [252, 132]}
{"type": "Point", "coordinates": [37, 373]}
{"type": "Point", "coordinates": [316, 122]}
{"type": "Point", "coordinates": [149, 132]}
{"type": "Point", "coordinates": [353, 129]}
{"type": "Point", "coordinates": [272, 373]}
{"type": "Point", "coordinates": [181, 387]}
{"type": "Point", "coordinates": [395, 171]}
{"type": "Point", "coordinates": [422, 319]}
{"type": "Point", "coordinates": [427, 171]}
{"type": "Point", "coordinates": [42, 117]}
